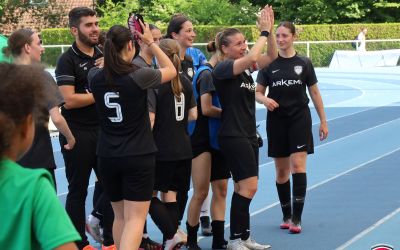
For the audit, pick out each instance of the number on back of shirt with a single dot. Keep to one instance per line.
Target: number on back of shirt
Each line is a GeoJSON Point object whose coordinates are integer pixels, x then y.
{"type": "Point", "coordinates": [113, 105]}
{"type": "Point", "coordinates": [180, 107]}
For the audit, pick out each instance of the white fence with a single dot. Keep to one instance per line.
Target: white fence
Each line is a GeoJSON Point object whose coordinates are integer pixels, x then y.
{"type": "Point", "coordinates": [307, 43]}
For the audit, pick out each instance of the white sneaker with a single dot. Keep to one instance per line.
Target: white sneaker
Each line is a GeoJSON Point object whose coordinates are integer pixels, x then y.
{"type": "Point", "coordinates": [253, 245]}
{"type": "Point", "coordinates": [93, 228]}
{"type": "Point", "coordinates": [174, 242]}
{"type": "Point", "coordinates": [182, 235]}
{"type": "Point", "coordinates": [237, 244]}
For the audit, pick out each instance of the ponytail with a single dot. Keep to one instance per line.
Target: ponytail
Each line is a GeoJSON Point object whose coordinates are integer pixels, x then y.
{"type": "Point", "coordinates": [116, 39]}
{"type": "Point", "coordinates": [171, 48]}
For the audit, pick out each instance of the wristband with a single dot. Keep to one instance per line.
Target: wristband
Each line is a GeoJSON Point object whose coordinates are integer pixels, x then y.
{"type": "Point", "coordinates": [264, 33]}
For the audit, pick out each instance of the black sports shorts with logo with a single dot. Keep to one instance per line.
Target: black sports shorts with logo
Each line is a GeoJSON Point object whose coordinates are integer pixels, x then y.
{"type": "Point", "coordinates": [289, 134]}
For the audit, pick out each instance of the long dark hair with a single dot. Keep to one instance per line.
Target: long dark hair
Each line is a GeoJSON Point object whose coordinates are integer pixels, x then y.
{"type": "Point", "coordinates": [116, 39]}
{"type": "Point", "coordinates": [175, 24]}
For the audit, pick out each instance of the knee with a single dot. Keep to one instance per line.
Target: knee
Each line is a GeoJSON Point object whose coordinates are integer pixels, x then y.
{"type": "Point", "coordinates": [200, 195]}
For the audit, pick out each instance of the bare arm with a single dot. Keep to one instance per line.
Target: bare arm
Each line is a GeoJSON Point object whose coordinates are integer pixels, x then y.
{"type": "Point", "coordinates": [272, 51]}
{"type": "Point", "coordinates": [254, 54]}
{"type": "Point", "coordinates": [192, 116]}
{"type": "Point", "coordinates": [319, 106]}
{"type": "Point", "coordinates": [75, 100]}
{"type": "Point", "coordinates": [207, 108]}
{"type": "Point", "coordinates": [152, 116]}
{"type": "Point", "coordinates": [166, 67]}
{"type": "Point", "coordinates": [269, 103]}
{"type": "Point", "coordinates": [62, 126]}
{"type": "Point", "coordinates": [67, 246]}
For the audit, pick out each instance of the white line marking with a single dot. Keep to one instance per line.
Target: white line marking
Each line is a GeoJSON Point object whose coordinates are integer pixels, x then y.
{"type": "Point", "coordinates": [368, 230]}
{"type": "Point", "coordinates": [325, 181]}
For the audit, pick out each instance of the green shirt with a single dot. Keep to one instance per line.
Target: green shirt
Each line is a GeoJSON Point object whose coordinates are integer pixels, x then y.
{"type": "Point", "coordinates": [32, 217]}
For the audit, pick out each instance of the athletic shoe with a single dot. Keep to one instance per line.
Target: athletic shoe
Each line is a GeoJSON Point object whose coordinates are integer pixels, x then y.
{"type": "Point", "coordinates": [148, 244]}
{"type": "Point", "coordinates": [295, 228]}
{"type": "Point", "coordinates": [112, 247]}
{"type": "Point", "coordinates": [193, 247]}
{"type": "Point", "coordinates": [285, 224]}
{"type": "Point", "coordinates": [89, 247]}
{"type": "Point", "coordinates": [174, 243]}
{"type": "Point", "coordinates": [205, 224]}
{"type": "Point", "coordinates": [253, 245]}
{"type": "Point", "coordinates": [93, 229]}
{"type": "Point", "coordinates": [182, 235]}
{"type": "Point", "coordinates": [237, 244]}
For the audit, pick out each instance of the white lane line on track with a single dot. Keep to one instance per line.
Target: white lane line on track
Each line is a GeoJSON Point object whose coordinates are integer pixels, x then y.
{"type": "Point", "coordinates": [326, 181]}
{"type": "Point", "coordinates": [319, 146]}
{"type": "Point", "coordinates": [368, 230]}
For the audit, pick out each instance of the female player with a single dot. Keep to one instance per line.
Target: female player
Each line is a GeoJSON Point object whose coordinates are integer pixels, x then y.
{"type": "Point", "coordinates": [208, 164]}
{"type": "Point", "coordinates": [126, 148]}
{"type": "Point", "coordinates": [237, 135]}
{"type": "Point", "coordinates": [289, 121]}
{"type": "Point", "coordinates": [173, 105]}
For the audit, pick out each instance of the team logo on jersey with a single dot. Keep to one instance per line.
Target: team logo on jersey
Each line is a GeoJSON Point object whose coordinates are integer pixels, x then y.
{"type": "Point", "coordinates": [382, 247]}
{"type": "Point", "coordinates": [249, 86]}
{"type": "Point", "coordinates": [298, 69]}
{"type": "Point", "coordinates": [190, 72]}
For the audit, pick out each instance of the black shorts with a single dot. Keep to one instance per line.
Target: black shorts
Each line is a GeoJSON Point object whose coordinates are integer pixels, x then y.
{"type": "Point", "coordinates": [241, 155]}
{"type": "Point", "coordinates": [289, 134]}
{"type": "Point", "coordinates": [219, 168]}
{"type": "Point", "coordinates": [128, 178]}
{"type": "Point", "coordinates": [173, 175]}
{"type": "Point", "coordinates": [200, 148]}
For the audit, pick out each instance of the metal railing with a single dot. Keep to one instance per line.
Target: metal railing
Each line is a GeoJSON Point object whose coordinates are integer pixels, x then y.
{"type": "Point", "coordinates": [308, 50]}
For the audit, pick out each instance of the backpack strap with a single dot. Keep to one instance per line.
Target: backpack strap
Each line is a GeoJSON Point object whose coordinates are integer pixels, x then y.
{"type": "Point", "coordinates": [192, 124]}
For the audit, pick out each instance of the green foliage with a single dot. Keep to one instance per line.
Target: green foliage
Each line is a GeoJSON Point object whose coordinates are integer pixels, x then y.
{"type": "Point", "coordinates": [222, 12]}
{"type": "Point", "coordinates": [159, 12]}
{"type": "Point", "coordinates": [321, 54]}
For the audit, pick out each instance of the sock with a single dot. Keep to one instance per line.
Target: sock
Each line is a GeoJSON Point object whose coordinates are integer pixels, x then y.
{"type": "Point", "coordinates": [145, 235]}
{"type": "Point", "coordinates": [173, 211]}
{"type": "Point", "coordinates": [284, 198]}
{"type": "Point", "coordinates": [161, 217]}
{"type": "Point", "coordinates": [299, 195]}
{"type": "Point", "coordinates": [240, 217]}
{"type": "Point", "coordinates": [205, 207]}
{"type": "Point", "coordinates": [181, 199]}
{"type": "Point", "coordinates": [218, 228]}
{"type": "Point", "coordinates": [192, 234]}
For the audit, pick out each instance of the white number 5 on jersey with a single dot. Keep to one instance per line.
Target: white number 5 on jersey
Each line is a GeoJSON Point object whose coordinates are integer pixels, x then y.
{"type": "Point", "coordinates": [180, 108]}
{"type": "Point", "coordinates": [113, 105]}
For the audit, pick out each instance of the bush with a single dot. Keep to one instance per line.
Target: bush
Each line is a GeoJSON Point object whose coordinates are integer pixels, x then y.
{"type": "Point", "coordinates": [320, 54]}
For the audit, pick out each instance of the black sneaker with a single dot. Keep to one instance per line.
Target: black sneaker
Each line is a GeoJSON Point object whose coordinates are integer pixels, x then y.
{"type": "Point", "coordinates": [205, 226]}
{"type": "Point", "coordinates": [193, 247]}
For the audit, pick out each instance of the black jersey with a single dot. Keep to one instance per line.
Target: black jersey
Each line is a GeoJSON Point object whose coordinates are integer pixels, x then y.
{"type": "Point", "coordinates": [237, 98]}
{"type": "Point", "coordinates": [204, 85]}
{"type": "Point", "coordinates": [170, 125]}
{"type": "Point", "coordinates": [72, 69]}
{"type": "Point", "coordinates": [40, 154]}
{"type": "Point", "coordinates": [187, 68]}
{"type": "Point", "coordinates": [124, 118]}
{"type": "Point", "coordinates": [286, 79]}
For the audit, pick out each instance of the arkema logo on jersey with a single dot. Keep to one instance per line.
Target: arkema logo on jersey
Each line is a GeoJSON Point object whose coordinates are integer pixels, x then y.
{"type": "Point", "coordinates": [286, 83]}
{"type": "Point", "coordinates": [249, 86]}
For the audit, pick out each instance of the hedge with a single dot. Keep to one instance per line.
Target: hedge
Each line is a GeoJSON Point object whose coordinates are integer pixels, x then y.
{"type": "Point", "coordinates": [320, 54]}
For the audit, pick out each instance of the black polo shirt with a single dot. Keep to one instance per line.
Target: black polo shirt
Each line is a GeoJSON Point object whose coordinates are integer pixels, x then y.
{"type": "Point", "coordinates": [72, 69]}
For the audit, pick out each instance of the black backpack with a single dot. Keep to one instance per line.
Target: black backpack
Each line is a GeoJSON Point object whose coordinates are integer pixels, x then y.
{"type": "Point", "coordinates": [353, 44]}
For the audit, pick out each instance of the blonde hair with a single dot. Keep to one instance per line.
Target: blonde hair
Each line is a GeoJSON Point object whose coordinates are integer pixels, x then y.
{"type": "Point", "coordinates": [171, 48]}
